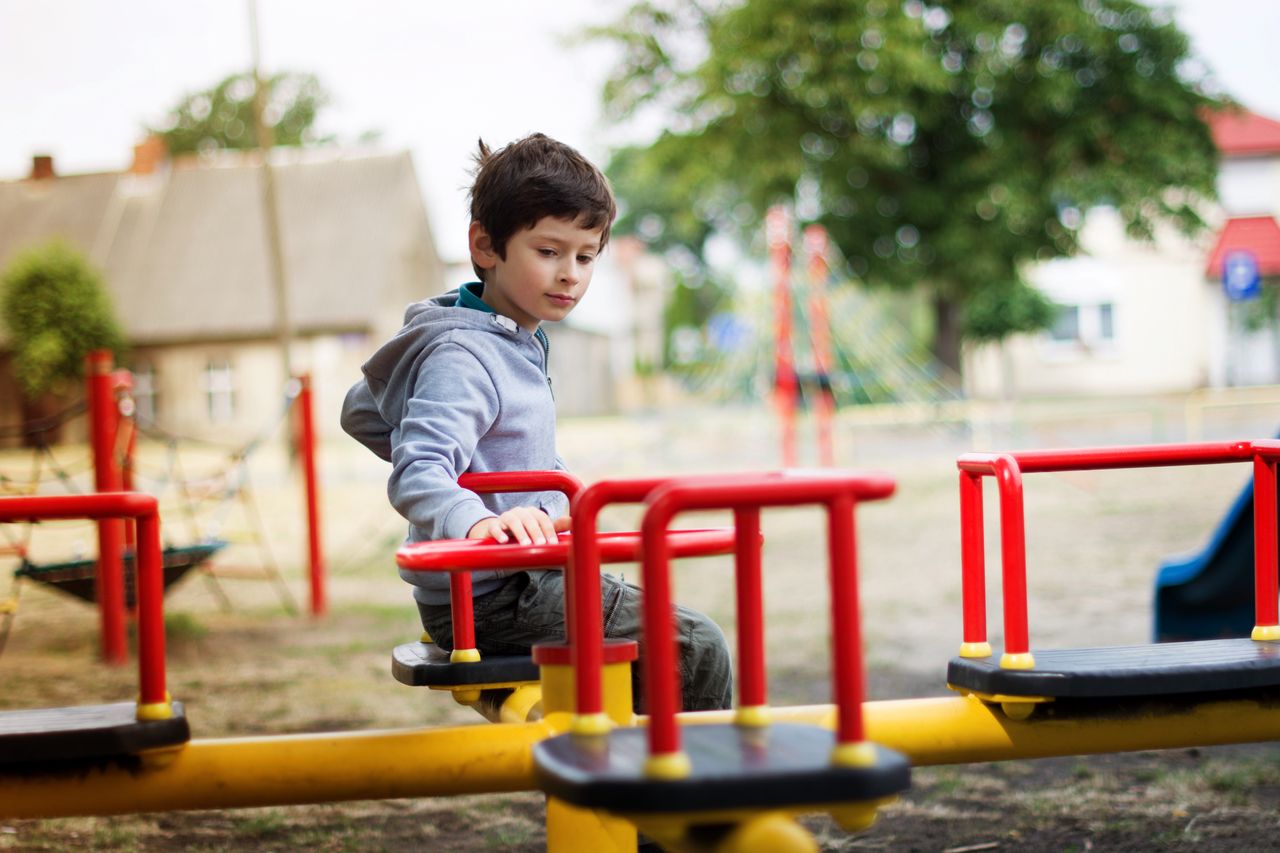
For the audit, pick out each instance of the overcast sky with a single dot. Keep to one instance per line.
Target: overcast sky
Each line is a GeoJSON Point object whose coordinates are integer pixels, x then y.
{"type": "Point", "coordinates": [79, 78]}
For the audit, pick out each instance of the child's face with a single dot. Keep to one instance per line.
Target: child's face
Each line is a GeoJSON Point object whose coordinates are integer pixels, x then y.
{"type": "Point", "coordinates": [545, 273]}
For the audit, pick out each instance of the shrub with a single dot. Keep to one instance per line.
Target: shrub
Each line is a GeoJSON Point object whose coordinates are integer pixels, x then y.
{"type": "Point", "coordinates": [55, 310]}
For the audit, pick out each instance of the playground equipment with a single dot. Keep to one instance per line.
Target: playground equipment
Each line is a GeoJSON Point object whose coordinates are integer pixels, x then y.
{"type": "Point", "coordinates": [61, 736]}
{"type": "Point", "coordinates": [1209, 594]}
{"type": "Point", "coordinates": [831, 344]}
{"type": "Point", "coordinates": [588, 754]}
{"type": "Point", "coordinates": [107, 579]}
{"type": "Point", "coordinates": [711, 779]}
{"type": "Point", "coordinates": [422, 663]}
{"type": "Point", "coordinates": [1022, 680]}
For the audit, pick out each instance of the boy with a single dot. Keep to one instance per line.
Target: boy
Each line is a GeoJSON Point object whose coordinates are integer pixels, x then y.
{"type": "Point", "coordinates": [463, 387]}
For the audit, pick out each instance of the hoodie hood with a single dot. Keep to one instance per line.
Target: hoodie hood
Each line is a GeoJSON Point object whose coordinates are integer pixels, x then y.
{"type": "Point", "coordinates": [391, 371]}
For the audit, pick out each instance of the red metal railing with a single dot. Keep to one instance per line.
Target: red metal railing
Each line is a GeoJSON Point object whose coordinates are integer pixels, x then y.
{"type": "Point", "coordinates": [464, 626]}
{"type": "Point", "coordinates": [745, 495]}
{"type": "Point", "coordinates": [585, 547]}
{"type": "Point", "coordinates": [582, 587]}
{"type": "Point", "coordinates": [150, 578]}
{"type": "Point", "coordinates": [1008, 468]}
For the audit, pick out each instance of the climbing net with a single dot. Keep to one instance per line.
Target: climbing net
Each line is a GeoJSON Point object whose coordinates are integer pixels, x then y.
{"type": "Point", "coordinates": [205, 490]}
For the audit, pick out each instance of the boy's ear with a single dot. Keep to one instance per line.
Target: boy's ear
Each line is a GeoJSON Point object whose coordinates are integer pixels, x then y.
{"type": "Point", "coordinates": [481, 244]}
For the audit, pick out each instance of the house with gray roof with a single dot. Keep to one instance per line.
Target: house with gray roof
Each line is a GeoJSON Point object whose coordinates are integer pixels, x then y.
{"type": "Point", "coordinates": [182, 246]}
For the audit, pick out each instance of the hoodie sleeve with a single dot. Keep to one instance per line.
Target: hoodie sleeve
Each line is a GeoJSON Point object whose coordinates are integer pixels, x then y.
{"type": "Point", "coordinates": [452, 405]}
{"type": "Point", "coordinates": [362, 421]}
{"type": "Point", "coordinates": [555, 504]}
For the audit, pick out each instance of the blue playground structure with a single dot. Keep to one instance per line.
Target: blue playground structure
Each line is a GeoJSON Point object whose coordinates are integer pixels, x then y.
{"type": "Point", "coordinates": [1209, 594]}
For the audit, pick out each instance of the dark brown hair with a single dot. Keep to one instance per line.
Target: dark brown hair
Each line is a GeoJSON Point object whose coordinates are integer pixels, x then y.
{"type": "Point", "coordinates": [534, 177]}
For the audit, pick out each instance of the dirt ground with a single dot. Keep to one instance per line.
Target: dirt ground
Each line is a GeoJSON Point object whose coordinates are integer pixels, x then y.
{"type": "Point", "coordinates": [1095, 540]}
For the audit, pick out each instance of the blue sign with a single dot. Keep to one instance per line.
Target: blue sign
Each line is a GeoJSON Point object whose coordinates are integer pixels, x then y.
{"type": "Point", "coordinates": [1240, 278]}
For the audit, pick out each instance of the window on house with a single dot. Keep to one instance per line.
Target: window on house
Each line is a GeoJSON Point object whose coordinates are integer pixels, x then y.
{"type": "Point", "coordinates": [219, 383]}
{"type": "Point", "coordinates": [146, 395]}
{"type": "Point", "coordinates": [1087, 325]}
{"type": "Point", "coordinates": [1106, 326]}
{"type": "Point", "coordinates": [1066, 325]}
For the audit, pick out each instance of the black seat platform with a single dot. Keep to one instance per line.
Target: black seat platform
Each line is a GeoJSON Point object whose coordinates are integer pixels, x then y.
{"type": "Point", "coordinates": [1162, 669]}
{"type": "Point", "coordinates": [90, 732]}
{"type": "Point", "coordinates": [786, 764]}
{"type": "Point", "coordinates": [428, 665]}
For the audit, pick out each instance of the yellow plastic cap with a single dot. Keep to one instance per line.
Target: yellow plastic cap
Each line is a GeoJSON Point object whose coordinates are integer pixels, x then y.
{"type": "Point", "coordinates": [752, 717]}
{"type": "Point", "coordinates": [591, 724]}
{"type": "Point", "coordinates": [859, 754]}
{"type": "Point", "coordinates": [975, 650]}
{"type": "Point", "coordinates": [464, 656]}
{"type": "Point", "coordinates": [1023, 660]}
{"type": "Point", "coordinates": [668, 765]}
{"type": "Point", "coordinates": [1264, 633]}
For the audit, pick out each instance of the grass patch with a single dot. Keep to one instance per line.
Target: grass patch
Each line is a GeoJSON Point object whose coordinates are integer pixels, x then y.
{"type": "Point", "coordinates": [183, 627]}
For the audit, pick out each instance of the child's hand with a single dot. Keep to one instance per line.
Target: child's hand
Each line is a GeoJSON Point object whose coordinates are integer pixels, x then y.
{"type": "Point", "coordinates": [526, 524]}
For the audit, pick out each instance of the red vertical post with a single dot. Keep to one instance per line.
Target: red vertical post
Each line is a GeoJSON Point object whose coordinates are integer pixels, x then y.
{"type": "Point", "coordinates": [126, 445]}
{"type": "Point", "coordinates": [1264, 544]}
{"type": "Point", "coordinates": [973, 585]}
{"type": "Point", "coordinates": [661, 672]}
{"type": "Point", "coordinates": [816, 246]}
{"type": "Point", "coordinates": [584, 628]}
{"type": "Point", "coordinates": [846, 630]}
{"type": "Point", "coordinates": [464, 625]}
{"type": "Point", "coordinates": [109, 580]}
{"type": "Point", "coordinates": [585, 622]}
{"type": "Point", "coordinates": [1013, 557]}
{"type": "Point", "coordinates": [315, 553]}
{"type": "Point", "coordinates": [752, 684]}
{"type": "Point", "coordinates": [778, 232]}
{"type": "Point", "coordinates": [149, 564]}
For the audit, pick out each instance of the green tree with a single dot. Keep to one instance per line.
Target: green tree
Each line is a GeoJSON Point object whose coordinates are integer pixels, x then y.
{"type": "Point", "coordinates": [943, 144]}
{"type": "Point", "coordinates": [222, 116]}
{"type": "Point", "coordinates": [55, 310]}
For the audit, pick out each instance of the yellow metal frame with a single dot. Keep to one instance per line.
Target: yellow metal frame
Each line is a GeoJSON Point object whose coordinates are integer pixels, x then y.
{"type": "Point", "coordinates": [312, 768]}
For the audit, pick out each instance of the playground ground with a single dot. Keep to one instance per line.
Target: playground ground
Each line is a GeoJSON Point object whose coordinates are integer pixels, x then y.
{"type": "Point", "coordinates": [1094, 541]}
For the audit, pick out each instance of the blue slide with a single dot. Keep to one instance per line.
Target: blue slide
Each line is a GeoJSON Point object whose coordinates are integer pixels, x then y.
{"type": "Point", "coordinates": [1209, 594]}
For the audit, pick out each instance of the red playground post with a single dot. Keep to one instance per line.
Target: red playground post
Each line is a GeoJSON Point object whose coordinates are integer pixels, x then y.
{"type": "Point", "coordinates": [104, 422]}
{"type": "Point", "coordinates": [816, 245]}
{"type": "Point", "coordinates": [778, 233]}
{"type": "Point", "coordinates": [315, 552]}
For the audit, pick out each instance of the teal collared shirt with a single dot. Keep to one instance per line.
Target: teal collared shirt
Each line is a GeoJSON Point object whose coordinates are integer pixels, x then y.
{"type": "Point", "coordinates": [469, 297]}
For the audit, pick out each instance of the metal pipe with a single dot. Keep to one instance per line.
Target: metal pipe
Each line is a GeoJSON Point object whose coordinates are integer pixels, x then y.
{"type": "Point", "coordinates": [752, 680]}
{"type": "Point", "coordinates": [479, 759]}
{"type": "Point", "coordinates": [972, 561]}
{"type": "Point", "coordinates": [315, 550]}
{"type": "Point", "coordinates": [104, 419]}
{"type": "Point", "coordinates": [1266, 554]}
{"type": "Point", "coordinates": [282, 770]}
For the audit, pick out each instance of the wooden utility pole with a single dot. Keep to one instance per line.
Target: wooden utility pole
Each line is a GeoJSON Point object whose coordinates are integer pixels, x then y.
{"type": "Point", "coordinates": [270, 204]}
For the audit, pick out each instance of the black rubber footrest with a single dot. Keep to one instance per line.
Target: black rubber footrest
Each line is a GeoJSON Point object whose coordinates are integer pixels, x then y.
{"type": "Point", "coordinates": [42, 735]}
{"type": "Point", "coordinates": [1203, 666]}
{"type": "Point", "coordinates": [781, 765]}
{"type": "Point", "coordinates": [427, 665]}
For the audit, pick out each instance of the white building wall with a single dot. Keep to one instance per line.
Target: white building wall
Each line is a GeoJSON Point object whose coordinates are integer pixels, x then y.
{"type": "Point", "coordinates": [1250, 186]}
{"type": "Point", "coordinates": [1155, 339]}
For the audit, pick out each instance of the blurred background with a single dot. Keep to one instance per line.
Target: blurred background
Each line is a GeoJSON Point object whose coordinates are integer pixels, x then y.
{"type": "Point", "coordinates": [853, 232]}
{"type": "Point", "coordinates": [1073, 202]}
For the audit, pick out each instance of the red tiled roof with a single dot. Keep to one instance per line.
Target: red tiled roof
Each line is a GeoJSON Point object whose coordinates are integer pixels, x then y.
{"type": "Point", "coordinates": [1238, 132]}
{"type": "Point", "coordinates": [1257, 234]}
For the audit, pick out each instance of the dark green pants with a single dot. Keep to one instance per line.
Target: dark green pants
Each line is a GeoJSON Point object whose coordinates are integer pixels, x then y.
{"type": "Point", "coordinates": [529, 608]}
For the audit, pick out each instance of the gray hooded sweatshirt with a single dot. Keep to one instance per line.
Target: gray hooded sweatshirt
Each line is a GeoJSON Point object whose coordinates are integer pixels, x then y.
{"type": "Point", "coordinates": [457, 389]}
